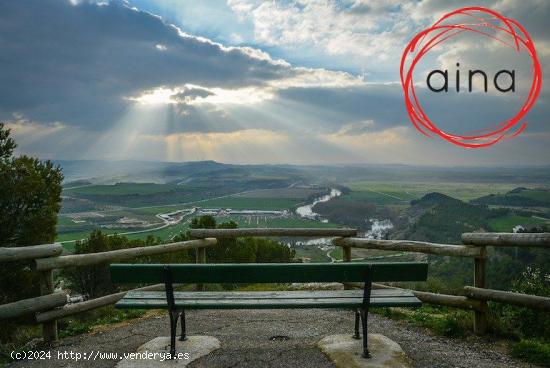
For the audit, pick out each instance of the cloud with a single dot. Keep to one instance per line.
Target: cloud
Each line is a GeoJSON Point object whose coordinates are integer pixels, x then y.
{"type": "Point", "coordinates": [360, 28]}
{"type": "Point", "coordinates": [78, 63]}
{"type": "Point", "coordinates": [83, 79]}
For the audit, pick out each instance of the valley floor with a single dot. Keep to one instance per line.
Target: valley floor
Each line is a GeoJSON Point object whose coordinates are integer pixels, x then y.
{"type": "Point", "coordinates": [245, 340]}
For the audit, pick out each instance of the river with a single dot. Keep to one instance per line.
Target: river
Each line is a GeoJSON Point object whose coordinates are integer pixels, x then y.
{"type": "Point", "coordinates": [307, 210]}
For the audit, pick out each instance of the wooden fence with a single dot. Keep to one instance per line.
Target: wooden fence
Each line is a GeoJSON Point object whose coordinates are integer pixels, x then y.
{"type": "Point", "coordinates": [51, 306]}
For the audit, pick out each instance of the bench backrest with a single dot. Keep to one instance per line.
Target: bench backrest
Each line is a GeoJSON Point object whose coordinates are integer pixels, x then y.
{"type": "Point", "coordinates": [270, 272]}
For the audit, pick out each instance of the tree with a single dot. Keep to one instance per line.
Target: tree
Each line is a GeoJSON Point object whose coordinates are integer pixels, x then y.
{"type": "Point", "coordinates": [30, 197]}
{"type": "Point", "coordinates": [242, 250]}
{"type": "Point", "coordinates": [94, 281]}
{"type": "Point", "coordinates": [7, 144]}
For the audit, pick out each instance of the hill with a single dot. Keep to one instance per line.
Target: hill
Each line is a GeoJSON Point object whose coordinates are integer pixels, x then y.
{"type": "Point", "coordinates": [518, 197]}
{"type": "Point", "coordinates": [439, 218]}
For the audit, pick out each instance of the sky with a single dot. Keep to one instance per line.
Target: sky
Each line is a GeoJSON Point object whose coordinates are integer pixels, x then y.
{"type": "Point", "coordinates": [244, 81]}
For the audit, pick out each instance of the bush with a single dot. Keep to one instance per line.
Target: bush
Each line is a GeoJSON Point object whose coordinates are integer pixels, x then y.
{"type": "Point", "coordinates": [532, 351]}
{"type": "Point", "coordinates": [526, 322]}
{"type": "Point", "coordinates": [94, 281]}
{"type": "Point", "coordinates": [242, 250]}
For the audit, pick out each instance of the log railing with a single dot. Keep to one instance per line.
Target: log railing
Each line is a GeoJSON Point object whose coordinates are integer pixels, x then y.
{"type": "Point", "coordinates": [51, 306]}
{"type": "Point", "coordinates": [474, 246]}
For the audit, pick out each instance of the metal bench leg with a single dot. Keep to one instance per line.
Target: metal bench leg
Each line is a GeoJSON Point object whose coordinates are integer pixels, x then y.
{"type": "Point", "coordinates": [357, 336]}
{"type": "Point", "coordinates": [364, 319]}
{"type": "Point", "coordinates": [365, 313]}
{"type": "Point", "coordinates": [173, 326]}
{"type": "Point", "coordinates": [183, 336]}
{"type": "Point", "coordinates": [174, 314]}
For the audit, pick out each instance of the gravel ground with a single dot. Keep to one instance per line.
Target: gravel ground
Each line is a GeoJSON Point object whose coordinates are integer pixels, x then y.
{"type": "Point", "coordinates": [245, 337]}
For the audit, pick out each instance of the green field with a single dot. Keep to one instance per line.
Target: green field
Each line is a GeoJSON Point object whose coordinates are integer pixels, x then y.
{"type": "Point", "coordinates": [507, 223]}
{"type": "Point", "coordinates": [297, 193]}
{"type": "Point", "coordinates": [266, 222]}
{"type": "Point", "coordinates": [376, 198]}
{"type": "Point", "coordinates": [123, 189]}
{"type": "Point", "coordinates": [413, 190]}
{"type": "Point", "coordinates": [154, 210]}
{"type": "Point", "coordinates": [312, 253]}
{"type": "Point", "coordinates": [171, 231]}
{"type": "Point", "coordinates": [539, 195]}
{"type": "Point", "coordinates": [251, 203]}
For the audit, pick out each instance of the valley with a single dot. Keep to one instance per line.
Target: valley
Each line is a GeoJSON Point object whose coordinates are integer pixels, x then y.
{"type": "Point", "coordinates": [395, 205]}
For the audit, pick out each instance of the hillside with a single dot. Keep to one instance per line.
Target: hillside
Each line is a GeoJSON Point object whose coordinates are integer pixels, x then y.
{"type": "Point", "coordinates": [518, 197]}
{"type": "Point", "coordinates": [439, 218]}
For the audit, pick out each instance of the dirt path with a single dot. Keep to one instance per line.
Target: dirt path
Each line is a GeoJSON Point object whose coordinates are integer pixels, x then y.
{"type": "Point", "coordinates": [245, 340]}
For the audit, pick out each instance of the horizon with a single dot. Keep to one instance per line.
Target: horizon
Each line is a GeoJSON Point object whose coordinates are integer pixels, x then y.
{"type": "Point", "coordinates": [531, 166]}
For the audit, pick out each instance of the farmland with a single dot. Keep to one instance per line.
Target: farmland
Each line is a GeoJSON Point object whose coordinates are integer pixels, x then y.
{"type": "Point", "coordinates": [142, 221]}
{"type": "Point", "coordinates": [387, 192]}
{"type": "Point", "coordinates": [507, 223]}
{"type": "Point", "coordinates": [133, 208]}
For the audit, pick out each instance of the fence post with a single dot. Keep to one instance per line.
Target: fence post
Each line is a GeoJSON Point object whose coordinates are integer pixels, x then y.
{"type": "Point", "coordinates": [49, 329]}
{"type": "Point", "coordinates": [200, 258]}
{"type": "Point", "coordinates": [347, 258]}
{"type": "Point", "coordinates": [480, 318]}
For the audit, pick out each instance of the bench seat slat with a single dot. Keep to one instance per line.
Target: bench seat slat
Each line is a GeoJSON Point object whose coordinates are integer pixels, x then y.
{"type": "Point", "coordinates": [267, 294]}
{"type": "Point", "coordinates": [268, 300]}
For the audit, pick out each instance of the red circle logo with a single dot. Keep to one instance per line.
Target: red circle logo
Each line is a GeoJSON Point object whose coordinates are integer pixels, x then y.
{"type": "Point", "coordinates": [484, 22]}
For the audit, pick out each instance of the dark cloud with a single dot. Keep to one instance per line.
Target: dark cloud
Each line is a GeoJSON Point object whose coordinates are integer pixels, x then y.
{"type": "Point", "coordinates": [384, 105]}
{"type": "Point", "coordinates": [77, 63]}
{"type": "Point", "coordinates": [189, 94]}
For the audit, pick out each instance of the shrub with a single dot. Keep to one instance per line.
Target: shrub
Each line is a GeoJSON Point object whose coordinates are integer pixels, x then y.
{"type": "Point", "coordinates": [532, 351]}
{"type": "Point", "coordinates": [526, 322]}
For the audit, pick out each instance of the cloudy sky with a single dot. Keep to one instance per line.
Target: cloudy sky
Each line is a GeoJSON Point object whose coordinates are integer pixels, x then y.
{"type": "Point", "coordinates": [246, 81]}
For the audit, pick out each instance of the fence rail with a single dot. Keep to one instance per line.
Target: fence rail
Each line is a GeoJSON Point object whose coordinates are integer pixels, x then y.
{"type": "Point", "coordinates": [44, 264]}
{"type": "Point", "coordinates": [32, 305]}
{"type": "Point", "coordinates": [410, 246]}
{"type": "Point", "coordinates": [541, 240]}
{"type": "Point", "coordinates": [51, 306]}
{"type": "Point", "coordinates": [30, 252]}
{"type": "Point", "coordinates": [507, 297]}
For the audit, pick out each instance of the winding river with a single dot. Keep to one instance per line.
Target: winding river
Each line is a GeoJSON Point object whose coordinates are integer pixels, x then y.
{"type": "Point", "coordinates": [307, 210]}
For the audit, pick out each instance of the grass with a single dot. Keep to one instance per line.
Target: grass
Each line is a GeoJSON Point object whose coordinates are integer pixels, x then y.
{"type": "Point", "coordinates": [507, 223]}
{"type": "Point", "coordinates": [369, 196]}
{"type": "Point", "coordinates": [457, 323]}
{"type": "Point", "coordinates": [532, 351]}
{"type": "Point", "coordinates": [442, 321]}
{"type": "Point", "coordinates": [256, 203]}
{"type": "Point", "coordinates": [539, 195]}
{"type": "Point", "coordinates": [311, 252]}
{"type": "Point", "coordinates": [103, 316]}
{"type": "Point", "coordinates": [337, 253]}
{"type": "Point", "coordinates": [123, 189]}
{"type": "Point", "coordinates": [413, 190]}
{"type": "Point", "coordinates": [296, 193]}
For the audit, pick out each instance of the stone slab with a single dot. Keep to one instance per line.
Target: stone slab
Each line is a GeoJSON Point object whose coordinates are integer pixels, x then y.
{"type": "Point", "coordinates": [345, 352]}
{"type": "Point", "coordinates": [189, 350]}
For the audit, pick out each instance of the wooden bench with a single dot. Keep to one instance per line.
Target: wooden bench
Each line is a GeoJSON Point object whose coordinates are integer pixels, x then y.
{"type": "Point", "coordinates": [358, 300]}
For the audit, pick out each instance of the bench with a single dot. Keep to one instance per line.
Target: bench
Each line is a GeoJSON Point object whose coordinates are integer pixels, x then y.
{"type": "Point", "coordinates": [358, 300]}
